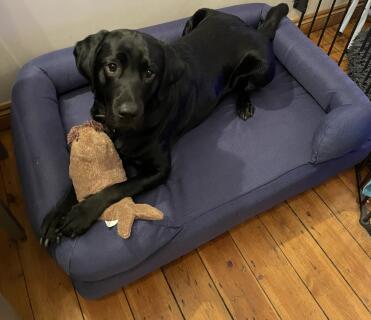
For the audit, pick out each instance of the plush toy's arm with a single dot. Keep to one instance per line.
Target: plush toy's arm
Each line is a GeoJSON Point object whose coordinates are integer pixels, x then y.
{"type": "Point", "coordinates": [83, 215]}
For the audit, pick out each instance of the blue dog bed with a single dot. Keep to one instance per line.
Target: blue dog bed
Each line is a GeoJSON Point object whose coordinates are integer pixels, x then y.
{"type": "Point", "coordinates": [310, 122]}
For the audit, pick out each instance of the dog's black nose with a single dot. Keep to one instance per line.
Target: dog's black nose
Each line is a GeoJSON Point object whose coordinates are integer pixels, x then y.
{"type": "Point", "coordinates": [128, 110]}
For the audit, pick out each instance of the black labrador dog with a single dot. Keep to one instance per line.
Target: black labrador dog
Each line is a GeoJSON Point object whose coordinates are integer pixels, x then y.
{"type": "Point", "coordinates": [148, 94]}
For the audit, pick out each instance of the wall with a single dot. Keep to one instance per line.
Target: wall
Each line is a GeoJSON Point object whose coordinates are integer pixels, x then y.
{"type": "Point", "coordinates": [29, 28]}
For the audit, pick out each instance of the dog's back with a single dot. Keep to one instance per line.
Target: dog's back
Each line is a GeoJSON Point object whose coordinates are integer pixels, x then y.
{"type": "Point", "coordinates": [219, 40]}
{"type": "Point", "coordinates": [214, 44]}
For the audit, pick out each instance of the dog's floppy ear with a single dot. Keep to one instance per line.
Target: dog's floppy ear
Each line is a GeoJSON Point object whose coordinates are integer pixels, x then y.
{"type": "Point", "coordinates": [194, 21]}
{"type": "Point", "coordinates": [85, 52]}
{"type": "Point", "coordinates": [173, 70]}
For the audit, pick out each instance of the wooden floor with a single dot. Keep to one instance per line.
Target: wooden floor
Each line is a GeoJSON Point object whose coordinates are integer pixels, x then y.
{"type": "Point", "coordinates": [306, 258]}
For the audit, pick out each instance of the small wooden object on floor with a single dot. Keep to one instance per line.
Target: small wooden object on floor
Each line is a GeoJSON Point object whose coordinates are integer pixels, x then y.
{"type": "Point", "coordinates": [7, 220]}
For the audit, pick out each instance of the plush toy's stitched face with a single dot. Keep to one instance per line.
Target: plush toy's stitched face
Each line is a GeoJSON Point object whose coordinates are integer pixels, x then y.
{"type": "Point", "coordinates": [90, 145]}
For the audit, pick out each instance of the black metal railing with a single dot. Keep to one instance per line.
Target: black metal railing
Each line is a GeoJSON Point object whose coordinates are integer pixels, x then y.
{"type": "Point", "coordinates": [301, 5]}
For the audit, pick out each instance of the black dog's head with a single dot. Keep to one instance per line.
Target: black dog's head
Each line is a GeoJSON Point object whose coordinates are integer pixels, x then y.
{"type": "Point", "coordinates": [126, 70]}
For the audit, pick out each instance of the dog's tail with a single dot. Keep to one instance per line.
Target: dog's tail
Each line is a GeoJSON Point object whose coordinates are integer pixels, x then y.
{"type": "Point", "coordinates": [274, 16]}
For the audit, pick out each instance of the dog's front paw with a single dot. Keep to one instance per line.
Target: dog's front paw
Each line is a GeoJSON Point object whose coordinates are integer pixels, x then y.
{"type": "Point", "coordinates": [49, 228]}
{"type": "Point", "coordinates": [245, 110]}
{"type": "Point", "coordinates": [78, 220]}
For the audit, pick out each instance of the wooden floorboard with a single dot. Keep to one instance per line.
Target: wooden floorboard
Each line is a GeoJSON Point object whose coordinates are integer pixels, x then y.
{"type": "Point", "coordinates": [12, 281]}
{"type": "Point", "coordinates": [327, 286]}
{"type": "Point", "coordinates": [113, 306]}
{"type": "Point", "coordinates": [348, 177]}
{"type": "Point", "coordinates": [343, 203]}
{"type": "Point", "coordinates": [241, 291]}
{"type": "Point", "coordinates": [307, 258]}
{"type": "Point", "coordinates": [194, 290]}
{"type": "Point", "coordinates": [151, 298]}
{"type": "Point", "coordinates": [335, 240]}
{"type": "Point", "coordinates": [280, 281]}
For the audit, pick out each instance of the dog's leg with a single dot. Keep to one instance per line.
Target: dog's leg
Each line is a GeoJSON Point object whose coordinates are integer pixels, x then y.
{"type": "Point", "coordinates": [244, 107]}
{"type": "Point", "coordinates": [250, 74]}
{"type": "Point", "coordinates": [54, 219]}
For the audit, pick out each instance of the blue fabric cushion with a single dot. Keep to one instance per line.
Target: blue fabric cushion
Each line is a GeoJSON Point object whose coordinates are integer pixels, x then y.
{"type": "Point", "coordinates": [341, 131]}
{"type": "Point", "coordinates": [347, 124]}
{"type": "Point", "coordinates": [231, 155]}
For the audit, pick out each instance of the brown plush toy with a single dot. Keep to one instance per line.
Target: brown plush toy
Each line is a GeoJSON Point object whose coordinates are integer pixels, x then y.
{"type": "Point", "coordinates": [94, 165]}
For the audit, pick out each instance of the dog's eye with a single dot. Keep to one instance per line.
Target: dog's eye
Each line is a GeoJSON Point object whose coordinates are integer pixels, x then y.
{"type": "Point", "coordinates": [111, 67]}
{"type": "Point", "coordinates": [149, 73]}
